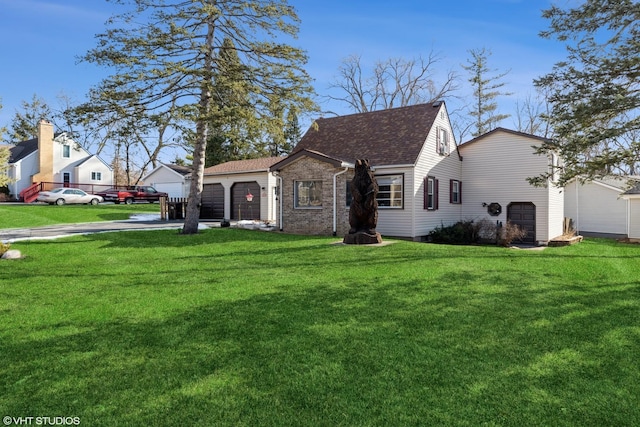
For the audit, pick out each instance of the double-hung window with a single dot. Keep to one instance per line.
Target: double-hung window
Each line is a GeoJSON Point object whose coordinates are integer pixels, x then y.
{"type": "Point", "coordinates": [442, 141]}
{"type": "Point", "coordinates": [307, 194]}
{"type": "Point", "coordinates": [430, 193]}
{"type": "Point", "coordinates": [66, 151]}
{"type": "Point", "coordinates": [96, 176]}
{"type": "Point", "coordinates": [390, 191]}
{"type": "Point", "coordinates": [455, 191]}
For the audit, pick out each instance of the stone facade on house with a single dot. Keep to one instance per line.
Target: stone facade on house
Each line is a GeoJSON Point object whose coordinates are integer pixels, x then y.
{"type": "Point", "coordinates": [317, 220]}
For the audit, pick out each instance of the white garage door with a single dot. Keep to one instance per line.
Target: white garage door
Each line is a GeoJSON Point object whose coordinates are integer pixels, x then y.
{"type": "Point", "coordinates": [173, 189]}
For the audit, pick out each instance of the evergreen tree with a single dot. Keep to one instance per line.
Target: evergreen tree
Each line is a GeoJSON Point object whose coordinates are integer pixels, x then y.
{"type": "Point", "coordinates": [595, 92]}
{"type": "Point", "coordinates": [234, 123]}
{"type": "Point", "coordinates": [166, 50]}
{"type": "Point", "coordinates": [486, 89]}
{"type": "Point", "coordinates": [4, 160]}
{"type": "Point", "coordinates": [292, 132]}
{"type": "Point", "coordinates": [24, 125]}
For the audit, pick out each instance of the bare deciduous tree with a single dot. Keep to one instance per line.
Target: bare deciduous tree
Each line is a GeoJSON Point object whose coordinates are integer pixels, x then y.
{"type": "Point", "coordinates": [530, 116]}
{"type": "Point", "coordinates": [395, 82]}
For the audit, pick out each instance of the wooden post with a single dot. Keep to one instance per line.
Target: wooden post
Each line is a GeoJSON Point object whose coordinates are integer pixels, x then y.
{"type": "Point", "coordinates": [163, 208]}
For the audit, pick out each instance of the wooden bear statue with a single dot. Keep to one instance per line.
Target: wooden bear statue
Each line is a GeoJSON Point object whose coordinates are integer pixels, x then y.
{"type": "Point", "coordinates": [363, 213]}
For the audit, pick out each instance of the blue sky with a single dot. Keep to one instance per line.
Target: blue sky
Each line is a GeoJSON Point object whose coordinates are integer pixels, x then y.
{"type": "Point", "coordinates": [42, 38]}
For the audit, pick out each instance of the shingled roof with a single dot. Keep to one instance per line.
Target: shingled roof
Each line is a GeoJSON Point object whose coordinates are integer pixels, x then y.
{"type": "Point", "coordinates": [182, 170]}
{"type": "Point", "coordinates": [385, 137]}
{"type": "Point", "coordinates": [241, 166]}
{"type": "Point", "coordinates": [23, 149]}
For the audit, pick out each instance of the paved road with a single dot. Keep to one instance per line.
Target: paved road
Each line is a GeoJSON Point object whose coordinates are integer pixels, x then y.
{"type": "Point", "coordinates": [63, 230]}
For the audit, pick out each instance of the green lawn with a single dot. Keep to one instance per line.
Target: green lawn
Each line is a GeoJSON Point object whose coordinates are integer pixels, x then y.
{"type": "Point", "coordinates": [36, 215]}
{"type": "Point", "coordinates": [247, 328]}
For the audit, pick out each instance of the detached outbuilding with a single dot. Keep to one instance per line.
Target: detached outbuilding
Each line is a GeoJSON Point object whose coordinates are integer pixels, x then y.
{"type": "Point", "coordinates": [171, 179]}
{"type": "Point", "coordinates": [597, 208]}
{"type": "Point", "coordinates": [632, 196]}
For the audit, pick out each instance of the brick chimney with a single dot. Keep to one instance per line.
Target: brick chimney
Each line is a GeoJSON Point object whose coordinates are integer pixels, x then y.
{"type": "Point", "coordinates": [45, 152]}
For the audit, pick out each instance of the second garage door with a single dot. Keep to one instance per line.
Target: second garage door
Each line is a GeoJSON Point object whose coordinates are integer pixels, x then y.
{"type": "Point", "coordinates": [212, 201]}
{"type": "Point", "coordinates": [241, 207]}
{"type": "Point", "coordinates": [523, 214]}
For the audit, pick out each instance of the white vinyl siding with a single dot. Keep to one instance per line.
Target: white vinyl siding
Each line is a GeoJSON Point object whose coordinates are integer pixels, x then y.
{"type": "Point", "coordinates": [496, 168]}
{"type": "Point", "coordinates": [634, 213]}
{"type": "Point", "coordinates": [442, 168]}
{"type": "Point", "coordinates": [397, 222]}
{"type": "Point", "coordinates": [167, 180]}
{"type": "Point", "coordinates": [595, 207]}
{"type": "Point", "coordinates": [88, 169]}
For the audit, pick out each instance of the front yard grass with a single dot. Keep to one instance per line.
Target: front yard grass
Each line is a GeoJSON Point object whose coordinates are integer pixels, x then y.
{"type": "Point", "coordinates": [39, 214]}
{"type": "Point", "coordinates": [236, 327]}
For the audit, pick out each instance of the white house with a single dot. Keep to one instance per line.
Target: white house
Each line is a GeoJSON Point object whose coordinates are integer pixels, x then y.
{"type": "Point", "coordinates": [632, 196]}
{"type": "Point", "coordinates": [240, 190]}
{"type": "Point", "coordinates": [55, 161]}
{"type": "Point", "coordinates": [597, 208]}
{"type": "Point", "coordinates": [425, 180]}
{"type": "Point", "coordinates": [495, 169]}
{"type": "Point", "coordinates": [171, 179]}
{"type": "Point", "coordinates": [415, 161]}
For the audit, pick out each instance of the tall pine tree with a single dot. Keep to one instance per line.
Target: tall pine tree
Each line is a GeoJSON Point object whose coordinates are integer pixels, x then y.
{"type": "Point", "coordinates": [163, 51]}
{"type": "Point", "coordinates": [234, 124]}
{"type": "Point", "coordinates": [595, 92]}
{"type": "Point", "coordinates": [486, 89]}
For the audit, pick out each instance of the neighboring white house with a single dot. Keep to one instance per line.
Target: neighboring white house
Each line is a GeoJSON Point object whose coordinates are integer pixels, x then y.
{"type": "Point", "coordinates": [53, 161]}
{"type": "Point", "coordinates": [425, 180]}
{"type": "Point", "coordinates": [597, 208]}
{"type": "Point", "coordinates": [171, 179]}
{"type": "Point", "coordinates": [240, 190]}
{"type": "Point", "coordinates": [495, 169]}
{"type": "Point", "coordinates": [632, 196]}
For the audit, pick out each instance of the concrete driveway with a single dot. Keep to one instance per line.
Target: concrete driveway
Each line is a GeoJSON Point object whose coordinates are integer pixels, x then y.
{"type": "Point", "coordinates": [64, 230]}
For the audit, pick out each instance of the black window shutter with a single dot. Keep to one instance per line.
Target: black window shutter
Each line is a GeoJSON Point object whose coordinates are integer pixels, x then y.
{"type": "Point", "coordinates": [435, 194]}
{"type": "Point", "coordinates": [425, 198]}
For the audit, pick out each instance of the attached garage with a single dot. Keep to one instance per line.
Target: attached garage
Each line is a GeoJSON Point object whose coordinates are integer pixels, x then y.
{"type": "Point", "coordinates": [227, 185]}
{"type": "Point", "coordinates": [212, 201]}
{"type": "Point", "coordinates": [523, 214]}
{"type": "Point", "coordinates": [245, 200]}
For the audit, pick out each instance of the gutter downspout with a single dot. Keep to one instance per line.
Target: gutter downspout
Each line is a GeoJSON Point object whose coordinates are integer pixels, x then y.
{"type": "Point", "coordinates": [577, 225]}
{"type": "Point", "coordinates": [335, 195]}
{"type": "Point", "coordinates": [279, 178]}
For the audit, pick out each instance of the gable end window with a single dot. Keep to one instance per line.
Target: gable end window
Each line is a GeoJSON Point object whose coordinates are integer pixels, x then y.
{"type": "Point", "coordinates": [455, 191]}
{"type": "Point", "coordinates": [96, 176]}
{"type": "Point", "coordinates": [430, 193]}
{"type": "Point", "coordinates": [442, 141]}
{"type": "Point", "coordinates": [307, 194]}
{"type": "Point", "coordinates": [66, 151]}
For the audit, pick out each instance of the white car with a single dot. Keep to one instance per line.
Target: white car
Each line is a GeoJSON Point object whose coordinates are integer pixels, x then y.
{"type": "Point", "coordinates": [61, 196]}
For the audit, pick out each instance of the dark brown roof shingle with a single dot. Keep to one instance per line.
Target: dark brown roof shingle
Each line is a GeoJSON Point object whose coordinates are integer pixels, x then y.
{"type": "Point", "coordinates": [385, 137]}
{"type": "Point", "coordinates": [240, 166]}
